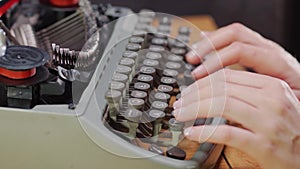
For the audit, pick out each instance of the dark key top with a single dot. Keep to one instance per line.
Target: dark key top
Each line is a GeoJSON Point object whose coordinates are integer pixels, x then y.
{"type": "Point", "coordinates": [127, 62]}
{"type": "Point", "coordinates": [153, 55]}
{"type": "Point", "coordinates": [168, 81]}
{"type": "Point", "coordinates": [176, 153]}
{"type": "Point", "coordinates": [124, 70]}
{"type": "Point", "coordinates": [164, 97]}
{"type": "Point", "coordinates": [136, 39]}
{"type": "Point", "coordinates": [133, 47]}
{"type": "Point", "coordinates": [159, 105]}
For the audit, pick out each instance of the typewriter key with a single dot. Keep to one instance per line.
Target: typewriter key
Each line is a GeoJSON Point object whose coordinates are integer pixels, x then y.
{"type": "Point", "coordinates": [156, 48]}
{"type": "Point", "coordinates": [148, 70]}
{"type": "Point", "coordinates": [150, 63]}
{"type": "Point", "coordinates": [184, 30]}
{"type": "Point", "coordinates": [164, 97]}
{"type": "Point", "coordinates": [142, 86]}
{"type": "Point", "coordinates": [113, 97]}
{"type": "Point", "coordinates": [165, 21]}
{"type": "Point", "coordinates": [175, 58]}
{"type": "Point", "coordinates": [188, 77]}
{"type": "Point", "coordinates": [173, 65]}
{"type": "Point", "coordinates": [156, 117]}
{"type": "Point", "coordinates": [176, 153]}
{"type": "Point", "coordinates": [164, 29]}
{"type": "Point", "coordinates": [127, 62]}
{"type": "Point", "coordinates": [118, 77]}
{"type": "Point", "coordinates": [124, 70]}
{"type": "Point", "coordinates": [135, 103]}
{"type": "Point", "coordinates": [153, 55]}
{"type": "Point", "coordinates": [146, 79]}
{"type": "Point", "coordinates": [140, 33]}
{"type": "Point", "coordinates": [159, 41]}
{"type": "Point", "coordinates": [160, 35]}
{"type": "Point", "coordinates": [133, 47]}
{"type": "Point", "coordinates": [159, 105]}
{"type": "Point", "coordinates": [183, 38]}
{"type": "Point", "coordinates": [133, 117]}
{"type": "Point", "coordinates": [168, 81]}
{"type": "Point", "coordinates": [130, 54]}
{"type": "Point", "coordinates": [156, 149]}
{"type": "Point", "coordinates": [119, 86]}
{"type": "Point", "coordinates": [178, 51]}
{"type": "Point", "coordinates": [176, 128]}
{"type": "Point", "coordinates": [189, 67]}
{"type": "Point", "coordinates": [165, 89]}
{"type": "Point", "coordinates": [179, 44]}
{"type": "Point", "coordinates": [136, 39]}
{"type": "Point", "coordinates": [139, 94]}
{"type": "Point", "coordinates": [170, 72]}
{"type": "Point", "coordinates": [146, 13]}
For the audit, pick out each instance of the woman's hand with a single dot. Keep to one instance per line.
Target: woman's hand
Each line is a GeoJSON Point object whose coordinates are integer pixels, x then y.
{"type": "Point", "coordinates": [265, 106]}
{"type": "Point", "coordinates": [238, 44]}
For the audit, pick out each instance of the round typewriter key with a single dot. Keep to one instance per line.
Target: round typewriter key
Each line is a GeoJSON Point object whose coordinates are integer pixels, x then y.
{"type": "Point", "coordinates": [156, 149]}
{"type": "Point", "coordinates": [136, 39]}
{"type": "Point", "coordinates": [173, 65]}
{"type": "Point", "coordinates": [119, 86]}
{"type": "Point", "coordinates": [159, 105]}
{"type": "Point", "coordinates": [118, 77]}
{"type": "Point", "coordinates": [113, 96]}
{"type": "Point", "coordinates": [145, 78]}
{"type": "Point", "coordinates": [124, 70]}
{"type": "Point", "coordinates": [141, 26]}
{"type": "Point", "coordinates": [140, 33]}
{"type": "Point", "coordinates": [133, 47]}
{"type": "Point", "coordinates": [148, 70]}
{"type": "Point", "coordinates": [176, 125]}
{"type": "Point", "coordinates": [165, 21]}
{"type": "Point", "coordinates": [156, 117]}
{"type": "Point", "coordinates": [164, 29]}
{"type": "Point", "coordinates": [142, 86]}
{"type": "Point", "coordinates": [165, 89]}
{"type": "Point", "coordinates": [156, 48]}
{"type": "Point", "coordinates": [159, 41]}
{"type": "Point", "coordinates": [176, 153]}
{"type": "Point", "coordinates": [156, 114]}
{"type": "Point", "coordinates": [136, 103]}
{"type": "Point", "coordinates": [150, 63]}
{"type": "Point", "coordinates": [160, 35]}
{"type": "Point", "coordinates": [168, 81]}
{"type": "Point", "coordinates": [188, 77]}
{"type": "Point", "coordinates": [127, 62]}
{"type": "Point", "coordinates": [139, 94]}
{"type": "Point", "coordinates": [183, 38]}
{"type": "Point", "coordinates": [146, 13]}
{"type": "Point", "coordinates": [178, 51]}
{"type": "Point", "coordinates": [130, 54]}
{"type": "Point", "coordinates": [184, 30]}
{"type": "Point", "coordinates": [133, 117]}
{"type": "Point", "coordinates": [164, 97]}
{"type": "Point", "coordinates": [179, 44]}
{"type": "Point", "coordinates": [170, 72]}
{"type": "Point", "coordinates": [153, 55]}
{"type": "Point", "coordinates": [175, 58]}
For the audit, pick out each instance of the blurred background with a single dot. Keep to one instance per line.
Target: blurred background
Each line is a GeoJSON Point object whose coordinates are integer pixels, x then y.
{"type": "Point", "coordinates": [274, 19]}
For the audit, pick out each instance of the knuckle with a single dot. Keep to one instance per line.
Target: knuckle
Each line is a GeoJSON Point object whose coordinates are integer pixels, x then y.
{"type": "Point", "coordinates": [236, 29]}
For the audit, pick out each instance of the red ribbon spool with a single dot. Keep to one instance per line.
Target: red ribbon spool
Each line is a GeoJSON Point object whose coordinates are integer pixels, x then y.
{"type": "Point", "coordinates": [20, 74]}
{"type": "Point", "coordinates": [64, 3]}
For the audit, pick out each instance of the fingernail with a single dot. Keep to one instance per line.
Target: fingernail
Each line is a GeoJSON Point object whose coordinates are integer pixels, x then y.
{"type": "Point", "coordinates": [191, 54]}
{"type": "Point", "coordinates": [187, 131]}
{"type": "Point", "coordinates": [200, 70]}
{"type": "Point", "coordinates": [177, 104]}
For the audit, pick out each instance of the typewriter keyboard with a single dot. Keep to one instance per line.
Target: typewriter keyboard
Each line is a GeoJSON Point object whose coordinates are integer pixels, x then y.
{"type": "Point", "coordinates": [146, 82]}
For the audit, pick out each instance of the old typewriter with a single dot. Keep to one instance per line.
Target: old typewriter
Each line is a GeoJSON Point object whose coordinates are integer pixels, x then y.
{"type": "Point", "coordinates": [92, 86]}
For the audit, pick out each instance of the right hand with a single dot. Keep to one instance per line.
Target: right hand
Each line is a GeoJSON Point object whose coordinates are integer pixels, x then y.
{"type": "Point", "coordinates": [238, 44]}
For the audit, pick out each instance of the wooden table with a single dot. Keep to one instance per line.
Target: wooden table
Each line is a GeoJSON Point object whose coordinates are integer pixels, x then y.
{"type": "Point", "coordinates": [231, 158]}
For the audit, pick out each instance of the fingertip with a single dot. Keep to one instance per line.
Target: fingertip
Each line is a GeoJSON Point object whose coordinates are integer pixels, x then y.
{"type": "Point", "coordinates": [193, 58]}
{"type": "Point", "coordinates": [199, 72]}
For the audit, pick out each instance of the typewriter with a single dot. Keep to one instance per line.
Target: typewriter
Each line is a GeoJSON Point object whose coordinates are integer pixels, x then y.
{"type": "Point", "coordinates": [92, 86]}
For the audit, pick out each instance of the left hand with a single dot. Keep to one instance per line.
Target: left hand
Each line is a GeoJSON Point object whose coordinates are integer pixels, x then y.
{"type": "Point", "coordinates": [266, 107]}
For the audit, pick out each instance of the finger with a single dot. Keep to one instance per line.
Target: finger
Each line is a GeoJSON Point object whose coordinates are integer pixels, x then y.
{"type": "Point", "coordinates": [221, 38]}
{"type": "Point", "coordinates": [244, 54]}
{"type": "Point", "coordinates": [241, 139]}
{"type": "Point", "coordinates": [242, 78]}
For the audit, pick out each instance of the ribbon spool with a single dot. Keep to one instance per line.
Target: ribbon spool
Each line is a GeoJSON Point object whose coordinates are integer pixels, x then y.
{"type": "Point", "coordinates": [64, 3]}
{"type": "Point", "coordinates": [20, 62]}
